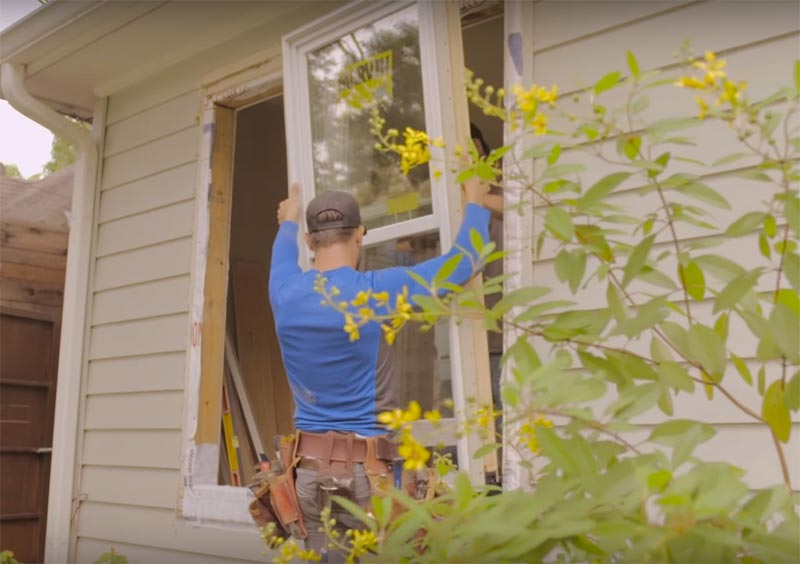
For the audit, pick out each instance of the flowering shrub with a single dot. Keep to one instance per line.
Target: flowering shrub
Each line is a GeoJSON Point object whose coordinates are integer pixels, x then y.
{"type": "Point", "coordinates": [654, 301]}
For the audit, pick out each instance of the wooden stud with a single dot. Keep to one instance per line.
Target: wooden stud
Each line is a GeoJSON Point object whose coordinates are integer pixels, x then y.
{"type": "Point", "coordinates": [216, 279]}
{"type": "Point", "coordinates": [477, 331]}
{"type": "Point", "coordinates": [42, 275]}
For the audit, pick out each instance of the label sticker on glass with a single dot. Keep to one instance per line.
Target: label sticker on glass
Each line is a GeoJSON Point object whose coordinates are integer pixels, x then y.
{"type": "Point", "coordinates": [363, 83]}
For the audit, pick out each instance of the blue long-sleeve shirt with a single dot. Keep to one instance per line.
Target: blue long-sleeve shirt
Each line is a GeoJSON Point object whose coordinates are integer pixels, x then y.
{"type": "Point", "coordinates": [333, 380]}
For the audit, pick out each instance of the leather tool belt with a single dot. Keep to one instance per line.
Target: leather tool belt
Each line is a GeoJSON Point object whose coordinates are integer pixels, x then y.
{"type": "Point", "coordinates": [341, 450]}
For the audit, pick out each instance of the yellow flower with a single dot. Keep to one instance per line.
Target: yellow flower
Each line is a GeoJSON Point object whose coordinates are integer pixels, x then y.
{"type": "Point", "coordinates": [413, 452]}
{"type": "Point", "coordinates": [438, 142]}
{"type": "Point", "coordinates": [390, 334]}
{"type": "Point", "coordinates": [527, 432]}
{"type": "Point", "coordinates": [380, 298]}
{"type": "Point", "coordinates": [361, 542]}
{"type": "Point", "coordinates": [361, 298]}
{"type": "Point", "coordinates": [712, 67]}
{"type": "Point", "coordinates": [366, 313]}
{"type": "Point", "coordinates": [732, 92]}
{"type": "Point", "coordinates": [351, 327]}
{"type": "Point", "coordinates": [434, 416]}
{"type": "Point", "coordinates": [703, 106]}
{"type": "Point", "coordinates": [690, 82]}
{"type": "Point", "coordinates": [539, 123]}
{"type": "Point", "coordinates": [437, 174]}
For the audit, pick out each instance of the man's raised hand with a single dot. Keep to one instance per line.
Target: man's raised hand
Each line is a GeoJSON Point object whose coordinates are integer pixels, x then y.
{"type": "Point", "coordinates": [289, 209]}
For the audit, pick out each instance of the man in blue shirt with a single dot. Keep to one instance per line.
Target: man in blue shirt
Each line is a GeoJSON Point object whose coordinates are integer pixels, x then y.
{"type": "Point", "coordinates": [333, 380]}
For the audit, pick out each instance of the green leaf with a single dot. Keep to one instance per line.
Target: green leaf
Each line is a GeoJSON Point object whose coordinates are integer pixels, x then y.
{"type": "Point", "coordinates": [704, 193]}
{"type": "Point", "coordinates": [486, 449]}
{"type": "Point", "coordinates": [629, 146]}
{"type": "Point", "coordinates": [675, 376]}
{"type": "Point", "coordinates": [477, 241]}
{"type": "Point", "coordinates": [518, 297]}
{"type": "Point", "coordinates": [786, 331]}
{"type": "Point", "coordinates": [615, 305]}
{"type": "Point", "coordinates": [797, 76]}
{"type": "Point", "coordinates": [577, 268]}
{"type": "Point", "coordinates": [693, 280]}
{"type": "Point", "coordinates": [562, 265]}
{"type": "Point", "coordinates": [762, 380]}
{"type": "Point", "coordinates": [633, 64]}
{"type": "Point", "coordinates": [727, 159]}
{"type": "Point", "coordinates": [742, 369]}
{"type": "Point", "coordinates": [534, 312]}
{"type": "Point", "coordinates": [735, 289]}
{"type": "Point", "coordinates": [601, 189]}
{"type": "Point", "coordinates": [776, 413]}
{"type": "Point", "coordinates": [763, 245]}
{"type": "Point", "coordinates": [792, 395]}
{"type": "Point", "coordinates": [677, 335]}
{"type": "Point", "coordinates": [552, 158]}
{"type": "Point", "coordinates": [637, 260]}
{"type": "Point", "coordinates": [746, 224]}
{"type": "Point", "coordinates": [791, 268]}
{"type": "Point", "coordinates": [752, 174]}
{"type": "Point", "coordinates": [683, 435]}
{"type": "Point", "coordinates": [559, 222]}
{"type": "Point", "coordinates": [668, 125]}
{"type": "Point", "coordinates": [607, 82]}
{"type": "Point", "coordinates": [791, 210]}
{"type": "Point", "coordinates": [719, 267]}
{"type": "Point", "coordinates": [708, 349]}
{"type": "Point", "coordinates": [647, 315]}
{"type": "Point", "coordinates": [447, 268]}
{"type": "Point", "coordinates": [770, 226]}
{"type": "Point", "coordinates": [559, 170]}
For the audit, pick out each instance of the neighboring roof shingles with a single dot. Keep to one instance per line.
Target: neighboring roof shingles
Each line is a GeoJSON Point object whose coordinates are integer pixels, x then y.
{"type": "Point", "coordinates": [45, 203]}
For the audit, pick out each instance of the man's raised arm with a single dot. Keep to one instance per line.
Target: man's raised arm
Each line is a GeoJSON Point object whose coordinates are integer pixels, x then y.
{"type": "Point", "coordinates": [285, 253]}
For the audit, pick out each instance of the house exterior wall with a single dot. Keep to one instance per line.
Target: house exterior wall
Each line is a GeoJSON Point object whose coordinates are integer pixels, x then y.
{"type": "Point", "coordinates": [130, 425]}
{"type": "Point", "coordinates": [577, 42]}
{"type": "Point", "coordinates": [132, 412]}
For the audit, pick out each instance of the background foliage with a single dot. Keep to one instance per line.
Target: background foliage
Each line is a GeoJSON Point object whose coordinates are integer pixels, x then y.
{"type": "Point", "coordinates": [656, 300]}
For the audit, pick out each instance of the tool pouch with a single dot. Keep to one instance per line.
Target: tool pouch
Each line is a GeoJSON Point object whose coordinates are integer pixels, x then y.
{"type": "Point", "coordinates": [261, 507]}
{"type": "Point", "coordinates": [276, 497]}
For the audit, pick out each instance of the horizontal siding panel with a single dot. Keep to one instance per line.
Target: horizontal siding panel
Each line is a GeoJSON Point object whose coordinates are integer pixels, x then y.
{"type": "Point", "coordinates": [89, 549]}
{"type": "Point", "coordinates": [150, 299]}
{"type": "Point", "coordinates": [749, 447]}
{"type": "Point", "coordinates": [157, 372]}
{"type": "Point", "coordinates": [149, 487]}
{"type": "Point", "coordinates": [715, 26]}
{"type": "Point", "coordinates": [165, 153]}
{"type": "Point", "coordinates": [173, 115]}
{"type": "Point", "coordinates": [147, 336]}
{"type": "Point", "coordinates": [155, 191]}
{"type": "Point", "coordinates": [139, 449]}
{"type": "Point", "coordinates": [148, 410]}
{"type": "Point", "coordinates": [172, 258]}
{"type": "Point", "coordinates": [560, 21]}
{"type": "Point", "coordinates": [163, 224]}
{"type": "Point", "coordinates": [161, 528]}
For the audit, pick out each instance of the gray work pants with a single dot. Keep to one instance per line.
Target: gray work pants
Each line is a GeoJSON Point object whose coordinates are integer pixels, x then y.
{"type": "Point", "coordinates": [311, 505]}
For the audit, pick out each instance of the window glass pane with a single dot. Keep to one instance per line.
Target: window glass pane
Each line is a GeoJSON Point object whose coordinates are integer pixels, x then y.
{"type": "Point", "coordinates": [418, 363]}
{"type": "Point", "coordinates": [376, 65]}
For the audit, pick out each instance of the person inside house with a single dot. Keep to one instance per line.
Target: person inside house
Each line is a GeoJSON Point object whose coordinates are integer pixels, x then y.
{"type": "Point", "coordinates": [494, 202]}
{"type": "Point", "coordinates": [340, 443]}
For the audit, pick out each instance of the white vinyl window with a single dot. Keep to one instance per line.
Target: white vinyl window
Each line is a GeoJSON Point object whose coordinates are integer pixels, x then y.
{"type": "Point", "coordinates": [396, 56]}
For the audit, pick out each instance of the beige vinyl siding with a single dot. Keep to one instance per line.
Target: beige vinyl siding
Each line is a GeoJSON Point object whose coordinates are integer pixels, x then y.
{"type": "Point", "coordinates": [133, 408]}
{"type": "Point", "coordinates": [576, 43]}
{"type": "Point", "coordinates": [158, 528]}
{"type": "Point", "coordinates": [89, 548]}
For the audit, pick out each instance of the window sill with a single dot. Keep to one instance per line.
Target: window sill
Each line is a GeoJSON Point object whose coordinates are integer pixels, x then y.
{"type": "Point", "coordinates": [214, 505]}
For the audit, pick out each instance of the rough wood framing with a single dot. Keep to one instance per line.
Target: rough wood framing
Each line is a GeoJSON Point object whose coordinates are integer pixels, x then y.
{"type": "Point", "coordinates": [477, 332]}
{"type": "Point", "coordinates": [216, 279]}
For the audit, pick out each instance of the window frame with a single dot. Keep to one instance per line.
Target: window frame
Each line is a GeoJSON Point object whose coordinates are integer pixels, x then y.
{"type": "Point", "coordinates": [201, 499]}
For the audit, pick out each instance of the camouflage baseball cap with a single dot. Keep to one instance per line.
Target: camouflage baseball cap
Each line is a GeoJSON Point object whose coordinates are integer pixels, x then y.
{"type": "Point", "coordinates": [333, 200]}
